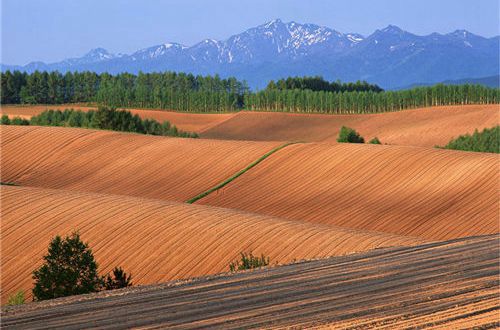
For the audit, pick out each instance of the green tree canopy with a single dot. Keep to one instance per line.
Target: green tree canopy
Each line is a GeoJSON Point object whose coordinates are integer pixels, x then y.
{"type": "Point", "coordinates": [69, 268]}
{"type": "Point", "coordinates": [348, 135]}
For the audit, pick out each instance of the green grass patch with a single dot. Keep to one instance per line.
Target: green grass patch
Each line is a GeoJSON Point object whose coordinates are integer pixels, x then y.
{"type": "Point", "coordinates": [8, 184]}
{"type": "Point", "coordinates": [222, 184]}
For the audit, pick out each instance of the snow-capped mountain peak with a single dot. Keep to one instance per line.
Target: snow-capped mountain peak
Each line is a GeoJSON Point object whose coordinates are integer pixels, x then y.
{"type": "Point", "coordinates": [98, 54]}
{"type": "Point", "coordinates": [389, 56]}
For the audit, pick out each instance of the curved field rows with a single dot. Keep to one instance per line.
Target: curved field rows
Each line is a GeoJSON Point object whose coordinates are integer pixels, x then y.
{"type": "Point", "coordinates": [121, 163]}
{"type": "Point", "coordinates": [156, 240]}
{"type": "Point", "coordinates": [445, 285]}
{"type": "Point", "coordinates": [191, 122]}
{"type": "Point", "coordinates": [419, 127]}
{"type": "Point", "coordinates": [428, 193]}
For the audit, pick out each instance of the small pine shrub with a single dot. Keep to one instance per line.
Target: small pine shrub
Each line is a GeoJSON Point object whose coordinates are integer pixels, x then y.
{"type": "Point", "coordinates": [375, 140]}
{"type": "Point", "coordinates": [348, 135]}
{"type": "Point", "coordinates": [16, 298]}
{"type": "Point", "coordinates": [118, 280]}
{"type": "Point", "coordinates": [19, 121]}
{"type": "Point", "coordinates": [5, 120]}
{"type": "Point", "coordinates": [248, 261]}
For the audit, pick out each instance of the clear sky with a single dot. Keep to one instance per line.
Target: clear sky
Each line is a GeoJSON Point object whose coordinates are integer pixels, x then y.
{"type": "Point", "coordinates": [52, 30]}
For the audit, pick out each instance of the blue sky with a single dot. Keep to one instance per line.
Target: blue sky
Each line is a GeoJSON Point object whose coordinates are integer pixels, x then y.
{"type": "Point", "coordinates": [51, 30]}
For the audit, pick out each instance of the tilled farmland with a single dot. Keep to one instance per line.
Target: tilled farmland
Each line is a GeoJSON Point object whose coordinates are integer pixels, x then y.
{"type": "Point", "coordinates": [121, 163]}
{"type": "Point", "coordinates": [443, 285]}
{"type": "Point", "coordinates": [158, 241]}
{"type": "Point", "coordinates": [430, 193]}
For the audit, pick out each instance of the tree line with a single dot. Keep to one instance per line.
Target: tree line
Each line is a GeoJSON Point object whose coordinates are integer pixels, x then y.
{"type": "Point", "coordinates": [186, 92]}
{"type": "Point", "coordinates": [298, 100]}
{"type": "Point", "coordinates": [317, 83]}
{"type": "Point", "coordinates": [103, 118]}
{"type": "Point", "coordinates": [169, 90]}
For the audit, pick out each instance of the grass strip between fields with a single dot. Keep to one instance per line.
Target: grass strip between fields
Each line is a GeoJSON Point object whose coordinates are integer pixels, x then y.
{"type": "Point", "coordinates": [225, 182]}
{"type": "Point", "coordinates": [8, 184]}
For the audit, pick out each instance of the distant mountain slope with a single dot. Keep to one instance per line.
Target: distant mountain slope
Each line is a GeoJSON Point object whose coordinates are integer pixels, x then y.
{"type": "Point", "coordinates": [389, 57]}
{"type": "Point", "coordinates": [491, 81]}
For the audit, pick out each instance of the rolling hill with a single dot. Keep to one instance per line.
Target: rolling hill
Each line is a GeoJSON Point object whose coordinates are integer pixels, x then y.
{"type": "Point", "coordinates": [444, 285]}
{"type": "Point", "coordinates": [430, 193]}
{"type": "Point", "coordinates": [418, 127]}
{"type": "Point", "coordinates": [157, 240]}
{"type": "Point", "coordinates": [190, 122]}
{"type": "Point", "coordinates": [121, 163]}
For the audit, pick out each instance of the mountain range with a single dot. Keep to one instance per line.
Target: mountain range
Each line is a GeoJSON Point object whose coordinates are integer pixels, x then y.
{"type": "Point", "coordinates": [390, 57]}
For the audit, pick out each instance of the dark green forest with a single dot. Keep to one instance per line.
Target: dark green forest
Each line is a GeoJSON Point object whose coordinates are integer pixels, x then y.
{"type": "Point", "coordinates": [484, 141]}
{"type": "Point", "coordinates": [103, 118]}
{"type": "Point", "coordinates": [317, 84]}
{"type": "Point", "coordinates": [186, 92]}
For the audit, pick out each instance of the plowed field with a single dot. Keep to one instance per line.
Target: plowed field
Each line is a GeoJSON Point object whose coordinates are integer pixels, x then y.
{"type": "Point", "coordinates": [191, 122]}
{"type": "Point", "coordinates": [445, 285]}
{"type": "Point", "coordinates": [121, 163]}
{"type": "Point", "coordinates": [429, 193]}
{"type": "Point", "coordinates": [155, 240]}
{"type": "Point", "coordinates": [419, 127]}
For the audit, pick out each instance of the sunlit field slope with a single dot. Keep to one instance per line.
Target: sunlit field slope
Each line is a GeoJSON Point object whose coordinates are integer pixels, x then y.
{"type": "Point", "coordinates": [445, 285]}
{"type": "Point", "coordinates": [121, 163]}
{"type": "Point", "coordinates": [158, 240]}
{"type": "Point", "coordinates": [191, 122]}
{"type": "Point", "coordinates": [419, 127]}
{"type": "Point", "coordinates": [429, 193]}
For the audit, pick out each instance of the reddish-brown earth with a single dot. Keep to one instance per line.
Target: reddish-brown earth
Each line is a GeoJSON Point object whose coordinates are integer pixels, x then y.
{"type": "Point", "coordinates": [429, 193]}
{"type": "Point", "coordinates": [444, 285]}
{"type": "Point", "coordinates": [191, 122]}
{"type": "Point", "coordinates": [121, 163]}
{"type": "Point", "coordinates": [157, 240]}
{"type": "Point", "coordinates": [419, 127]}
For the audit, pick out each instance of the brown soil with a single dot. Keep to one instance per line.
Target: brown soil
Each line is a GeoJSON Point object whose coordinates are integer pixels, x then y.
{"type": "Point", "coordinates": [419, 127]}
{"type": "Point", "coordinates": [191, 122]}
{"type": "Point", "coordinates": [121, 163]}
{"type": "Point", "coordinates": [156, 240]}
{"type": "Point", "coordinates": [429, 193]}
{"type": "Point", "coordinates": [445, 285]}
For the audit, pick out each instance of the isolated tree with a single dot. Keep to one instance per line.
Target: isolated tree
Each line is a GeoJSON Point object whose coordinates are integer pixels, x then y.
{"type": "Point", "coordinates": [69, 269]}
{"type": "Point", "coordinates": [348, 135]}
{"type": "Point", "coordinates": [119, 280]}
{"type": "Point", "coordinates": [375, 140]}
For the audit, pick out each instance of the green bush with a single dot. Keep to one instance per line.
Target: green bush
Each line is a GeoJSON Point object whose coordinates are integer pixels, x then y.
{"type": "Point", "coordinates": [5, 120]}
{"type": "Point", "coordinates": [118, 280]}
{"type": "Point", "coordinates": [348, 135]}
{"type": "Point", "coordinates": [16, 298]}
{"type": "Point", "coordinates": [69, 269]}
{"type": "Point", "coordinates": [16, 121]}
{"type": "Point", "coordinates": [485, 141]}
{"type": "Point", "coordinates": [375, 140]}
{"type": "Point", "coordinates": [249, 261]}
